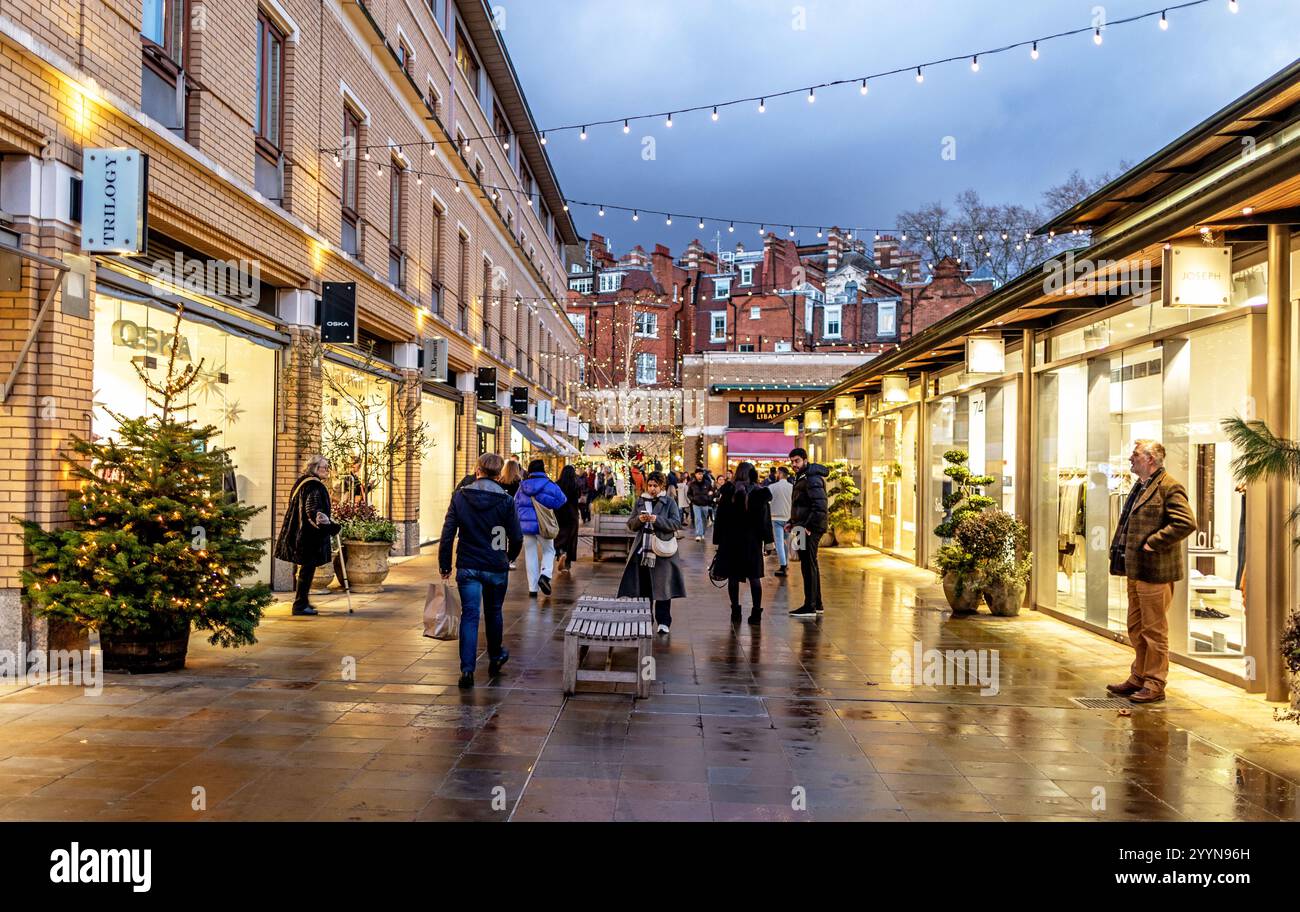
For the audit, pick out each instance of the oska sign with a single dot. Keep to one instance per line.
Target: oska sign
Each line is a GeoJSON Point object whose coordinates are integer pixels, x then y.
{"type": "Point", "coordinates": [113, 193]}
{"type": "Point", "coordinates": [756, 414]}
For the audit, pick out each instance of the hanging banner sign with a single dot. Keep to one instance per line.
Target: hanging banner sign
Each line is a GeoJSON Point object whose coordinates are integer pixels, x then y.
{"type": "Point", "coordinates": [338, 313]}
{"type": "Point", "coordinates": [519, 400]}
{"type": "Point", "coordinates": [986, 355]}
{"type": "Point", "coordinates": [114, 201]}
{"type": "Point", "coordinates": [485, 386]}
{"type": "Point", "coordinates": [434, 364]}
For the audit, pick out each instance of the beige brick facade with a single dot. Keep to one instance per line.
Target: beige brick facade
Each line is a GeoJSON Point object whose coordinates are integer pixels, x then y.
{"type": "Point", "coordinates": [71, 78]}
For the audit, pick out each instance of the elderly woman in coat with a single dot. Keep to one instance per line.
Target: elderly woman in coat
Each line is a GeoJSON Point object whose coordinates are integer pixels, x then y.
{"type": "Point", "coordinates": [648, 575]}
{"type": "Point", "coordinates": [305, 534]}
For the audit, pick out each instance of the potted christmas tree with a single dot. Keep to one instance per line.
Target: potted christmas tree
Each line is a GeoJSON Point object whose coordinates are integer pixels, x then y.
{"type": "Point", "coordinates": [154, 548]}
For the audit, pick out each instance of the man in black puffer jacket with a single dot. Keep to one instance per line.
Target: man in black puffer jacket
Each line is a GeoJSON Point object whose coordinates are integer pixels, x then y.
{"type": "Point", "coordinates": [484, 517]}
{"type": "Point", "coordinates": [808, 512]}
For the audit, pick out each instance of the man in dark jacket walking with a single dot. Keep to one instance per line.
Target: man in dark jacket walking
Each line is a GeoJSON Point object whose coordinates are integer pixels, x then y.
{"type": "Point", "coordinates": [808, 515]}
{"type": "Point", "coordinates": [483, 515]}
{"type": "Point", "coordinates": [700, 493]}
{"type": "Point", "coordinates": [305, 534]}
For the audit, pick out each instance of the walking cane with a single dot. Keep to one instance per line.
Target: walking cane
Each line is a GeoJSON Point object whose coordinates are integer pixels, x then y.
{"type": "Point", "coordinates": [343, 565]}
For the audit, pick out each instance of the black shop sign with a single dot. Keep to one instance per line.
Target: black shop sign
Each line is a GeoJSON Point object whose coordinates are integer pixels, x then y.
{"type": "Point", "coordinates": [756, 414]}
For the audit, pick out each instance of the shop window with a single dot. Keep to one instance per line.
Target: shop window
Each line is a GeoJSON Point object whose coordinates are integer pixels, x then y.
{"type": "Point", "coordinates": [437, 464]}
{"type": "Point", "coordinates": [355, 419]}
{"type": "Point", "coordinates": [235, 391]}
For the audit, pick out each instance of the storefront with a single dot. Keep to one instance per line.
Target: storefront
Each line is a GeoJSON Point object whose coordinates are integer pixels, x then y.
{"type": "Point", "coordinates": [1180, 315]}
{"type": "Point", "coordinates": [235, 390]}
{"type": "Point", "coordinates": [438, 464]}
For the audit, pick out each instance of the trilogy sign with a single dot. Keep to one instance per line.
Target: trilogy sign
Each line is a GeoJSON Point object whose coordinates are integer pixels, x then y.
{"type": "Point", "coordinates": [756, 414]}
{"type": "Point", "coordinates": [113, 201]}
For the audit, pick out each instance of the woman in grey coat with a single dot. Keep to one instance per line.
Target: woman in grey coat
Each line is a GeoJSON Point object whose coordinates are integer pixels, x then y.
{"type": "Point", "coordinates": [648, 575]}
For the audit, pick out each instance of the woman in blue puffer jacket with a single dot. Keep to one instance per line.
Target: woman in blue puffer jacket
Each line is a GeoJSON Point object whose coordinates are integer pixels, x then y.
{"type": "Point", "coordinates": [547, 493]}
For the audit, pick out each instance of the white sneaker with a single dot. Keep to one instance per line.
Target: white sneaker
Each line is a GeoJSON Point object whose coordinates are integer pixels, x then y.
{"type": "Point", "coordinates": [699, 538]}
{"type": "Point", "coordinates": [663, 628]}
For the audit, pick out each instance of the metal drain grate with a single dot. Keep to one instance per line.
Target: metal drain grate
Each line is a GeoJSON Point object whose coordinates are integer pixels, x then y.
{"type": "Point", "coordinates": [1101, 702]}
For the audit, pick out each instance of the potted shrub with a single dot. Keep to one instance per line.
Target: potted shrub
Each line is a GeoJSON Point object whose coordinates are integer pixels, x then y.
{"type": "Point", "coordinates": [1004, 567]}
{"type": "Point", "coordinates": [843, 500]}
{"type": "Point", "coordinates": [367, 540]}
{"type": "Point", "coordinates": [961, 582]}
{"type": "Point", "coordinates": [154, 548]}
{"type": "Point", "coordinates": [953, 562]}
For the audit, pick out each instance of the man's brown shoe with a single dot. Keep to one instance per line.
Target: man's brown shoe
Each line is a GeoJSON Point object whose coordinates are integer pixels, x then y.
{"type": "Point", "coordinates": [1146, 695]}
{"type": "Point", "coordinates": [1123, 690]}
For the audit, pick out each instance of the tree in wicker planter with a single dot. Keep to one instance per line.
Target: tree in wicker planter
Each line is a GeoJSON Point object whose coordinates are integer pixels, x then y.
{"type": "Point", "coordinates": [154, 547]}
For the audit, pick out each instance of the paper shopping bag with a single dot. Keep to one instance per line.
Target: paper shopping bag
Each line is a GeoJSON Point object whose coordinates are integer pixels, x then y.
{"type": "Point", "coordinates": [442, 611]}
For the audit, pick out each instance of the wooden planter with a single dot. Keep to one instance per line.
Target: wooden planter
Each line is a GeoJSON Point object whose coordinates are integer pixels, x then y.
{"type": "Point", "coordinates": [367, 565]}
{"type": "Point", "coordinates": [143, 654]}
{"type": "Point", "coordinates": [609, 533]}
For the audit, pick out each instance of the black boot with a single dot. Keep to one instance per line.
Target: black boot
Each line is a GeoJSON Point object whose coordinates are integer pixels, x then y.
{"type": "Point", "coordinates": [735, 614]}
{"type": "Point", "coordinates": [756, 618]}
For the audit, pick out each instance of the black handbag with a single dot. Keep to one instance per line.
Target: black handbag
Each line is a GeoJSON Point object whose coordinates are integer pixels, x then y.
{"type": "Point", "coordinates": [715, 578]}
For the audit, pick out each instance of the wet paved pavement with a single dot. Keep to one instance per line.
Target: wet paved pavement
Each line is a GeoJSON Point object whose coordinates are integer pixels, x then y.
{"type": "Point", "coordinates": [794, 721]}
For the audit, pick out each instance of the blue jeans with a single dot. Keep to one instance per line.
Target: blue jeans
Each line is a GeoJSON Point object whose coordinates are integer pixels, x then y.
{"type": "Point", "coordinates": [701, 517]}
{"type": "Point", "coordinates": [489, 588]}
{"type": "Point", "coordinates": [778, 536]}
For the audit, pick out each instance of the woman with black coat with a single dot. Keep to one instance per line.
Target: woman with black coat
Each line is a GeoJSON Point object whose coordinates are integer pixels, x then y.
{"type": "Point", "coordinates": [740, 530]}
{"type": "Point", "coordinates": [566, 543]}
{"type": "Point", "coordinates": [305, 534]}
{"type": "Point", "coordinates": [647, 574]}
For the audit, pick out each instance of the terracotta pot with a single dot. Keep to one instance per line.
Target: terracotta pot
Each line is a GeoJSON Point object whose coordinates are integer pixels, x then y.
{"type": "Point", "coordinates": [962, 591]}
{"type": "Point", "coordinates": [1004, 599]}
{"type": "Point", "coordinates": [367, 565]}
{"type": "Point", "coordinates": [143, 653]}
{"type": "Point", "coordinates": [847, 539]}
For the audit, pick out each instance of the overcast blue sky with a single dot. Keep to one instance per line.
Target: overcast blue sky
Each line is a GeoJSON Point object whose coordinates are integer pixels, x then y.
{"type": "Point", "coordinates": [1019, 125]}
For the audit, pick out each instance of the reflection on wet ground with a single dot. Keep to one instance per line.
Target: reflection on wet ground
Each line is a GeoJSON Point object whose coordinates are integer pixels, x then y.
{"type": "Point", "coordinates": [832, 720]}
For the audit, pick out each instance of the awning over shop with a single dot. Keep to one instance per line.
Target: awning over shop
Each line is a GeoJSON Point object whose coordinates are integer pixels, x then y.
{"type": "Point", "coordinates": [532, 437]}
{"type": "Point", "coordinates": [758, 445]}
{"type": "Point", "coordinates": [556, 444]}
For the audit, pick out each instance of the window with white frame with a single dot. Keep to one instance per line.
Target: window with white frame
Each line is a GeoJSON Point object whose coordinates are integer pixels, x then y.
{"type": "Point", "coordinates": [581, 286]}
{"type": "Point", "coordinates": [746, 347]}
{"type": "Point", "coordinates": [755, 312]}
{"type": "Point", "coordinates": [579, 322]}
{"type": "Point", "coordinates": [746, 275]}
{"type": "Point", "coordinates": [718, 331]}
{"type": "Point", "coordinates": [782, 346]}
{"type": "Point", "coordinates": [721, 289]}
{"type": "Point", "coordinates": [647, 371]}
{"type": "Point", "coordinates": [647, 324]}
{"type": "Point", "coordinates": [610, 281]}
{"type": "Point", "coordinates": [887, 318]}
{"type": "Point", "coordinates": [831, 321]}
{"type": "Point", "coordinates": [582, 369]}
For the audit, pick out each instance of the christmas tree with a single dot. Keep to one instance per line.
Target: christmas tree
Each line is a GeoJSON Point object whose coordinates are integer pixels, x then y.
{"type": "Point", "coordinates": [155, 543]}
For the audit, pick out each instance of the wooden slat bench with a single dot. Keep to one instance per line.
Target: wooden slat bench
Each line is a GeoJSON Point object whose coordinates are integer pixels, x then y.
{"type": "Point", "coordinates": [608, 624]}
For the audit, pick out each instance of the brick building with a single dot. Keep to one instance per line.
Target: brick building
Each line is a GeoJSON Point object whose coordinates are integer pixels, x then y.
{"type": "Point", "coordinates": [252, 115]}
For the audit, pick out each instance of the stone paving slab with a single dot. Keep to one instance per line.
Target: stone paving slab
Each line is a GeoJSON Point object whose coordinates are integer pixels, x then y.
{"type": "Point", "coordinates": [793, 721]}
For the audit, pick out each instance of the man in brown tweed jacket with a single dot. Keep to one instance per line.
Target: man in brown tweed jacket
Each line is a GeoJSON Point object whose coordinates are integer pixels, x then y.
{"type": "Point", "coordinates": [1156, 517]}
